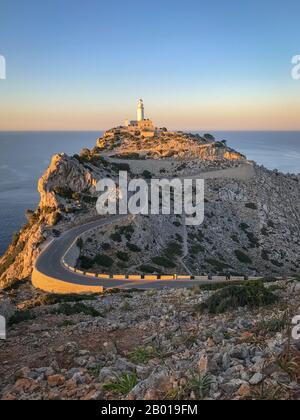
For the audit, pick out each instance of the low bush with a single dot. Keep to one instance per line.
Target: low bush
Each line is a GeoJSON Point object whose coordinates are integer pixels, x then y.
{"type": "Point", "coordinates": [148, 269]}
{"type": "Point", "coordinates": [21, 316]}
{"type": "Point", "coordinates": [133, 247]}
{"type": "Point", "coordinates": [123, 256]}
{"type": "Point", "coordinates": [103, 260]}
{"type": "Point", "coordinates": [251, 206]}
{"type": "Point", "coordinates": [85, 262]}
{"type": "Point", "coordinates": [78, 308]}
{"type": "Point", "coordinates": [251, 295]}
{"type": "Point", "coordinates": [122, 384]}
{"type": "Point", "coordinates": [163, 262]}
{"type": "Point", "coordinates": [242, 257]}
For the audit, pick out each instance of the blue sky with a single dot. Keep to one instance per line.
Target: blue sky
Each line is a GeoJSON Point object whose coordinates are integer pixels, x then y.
{"type": "Point", "coordinates": [83, 64]}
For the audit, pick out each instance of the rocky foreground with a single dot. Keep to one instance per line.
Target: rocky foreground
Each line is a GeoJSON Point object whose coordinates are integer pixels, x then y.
{"type": "Point", "coordinates": [159, 344]}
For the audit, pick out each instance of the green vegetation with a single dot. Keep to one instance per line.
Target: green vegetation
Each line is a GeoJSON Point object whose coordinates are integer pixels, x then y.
{"type": "Point", "coordinates": [106, 246]}
{"type": "Point", "coordinates": [232, 297]}
{"type": "Point", "coordinates": [122, 384]}
{"type": "Point", "coordinates": [200, 385]}
{"type": "Point", "coordinates": [209, 137]}
{"type": "Point", "coordinates": [146, 174]}
{"type": "Point", "coordinates": [21, 316]}
{"type": "Point", "coordinates": [15, 286]}
{"type": "Point", "coordinates": [85, 262]}
{"type": "Point", "coordinates": [103, 260]}
{"type": "Point", "coordinates": [133, 247]}
{"type": "Point", "coordinates": [77, 308]}
{"type": "Point", "coordinates": [196, 249]}
{"type": "Point", "coordinates": [219, 144]}
{"type": "Point", "coordinates": [219, 265]}
{"type": "Point", "coordinates": [123, 256]}
{"type": "Point", "coordinates": [251, 206]}
{"type": "Point", "coordinates": [274, 325]}
{"type": "Point", "coordinates": [53, 299]}
{"type": "Point", "coordinates": [223, 285]}
{"type": "Point", "coordinates": [116, 237]}
{"type": "Point", "coordinates": [173, 249]}
{"type": "Point", "coordinates": [88, 156]}
{"type": "Point", "coordinates": [120, 167]}
{"type": "Point", "coordinates": [148, 269]}
{"type": "Point", "coordinates": [142, 354]}
{"type": "Point", "coordinates": [242, 257]}
{"type": "Point", "coordinates": [163, 262]}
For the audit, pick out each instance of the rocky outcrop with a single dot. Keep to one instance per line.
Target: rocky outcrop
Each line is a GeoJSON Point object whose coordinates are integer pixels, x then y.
{"type": "Point", "coordinates": [64, 174]}
{"type": "Point", "coordinates": [152, 345]}
{"type": "Point", "coordinates": [61, 188]}
{"type": "Point", "coordinates": [251, 225]}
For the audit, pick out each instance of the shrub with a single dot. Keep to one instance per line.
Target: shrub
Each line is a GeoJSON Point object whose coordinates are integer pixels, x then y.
{"type": "Point", "coordinates": [209, 137]}
{"type": "Point", "coordinates": [79, 243]}
{"type": "Point", "coordinates": [242, 257]}
{"type": "Point", "coordinates": [123, 383]}
{"type": "Point", "coordinates": [219, 265]}
{"type": "Point", "coordinates": [200, 385]}
{"type": "Point", "coordinates": [123, 256]}
{"type": "Point", "coordinates": [251, 206]}
{"type": "Point", "coordinates": [116, 237]}
{"type": "Point", "coordinates": [146, 174]}
{"type": "Point", "coordinates": [163, 262]}
{"type": "Point", "coordinates": [148, 269]}
{"type": "Point", "coordinates": [86, 262]}
{"type": "Point", "coordinates": [133, 247]}
{"type": "Point", "coordinates": [120, 167]}
{"type": "Point", "coordinates": [232, 297]}
{"type": "Point", "coordinates": [77, 308]}
{"type": "Point", "coordinates": [196, 249]}
{"type": "Point", "coordinates": [21, 316]}
{"type": "Point", "coordinates": [141, 354]}
{"type": "Point", "coordinates": [103, 260]}
{"type": "Point", "coordinates": [173, 249]}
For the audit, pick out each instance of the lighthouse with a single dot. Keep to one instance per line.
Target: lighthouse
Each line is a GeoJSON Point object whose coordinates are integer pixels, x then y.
{"type": "Point", "coordinates": [140, 111]}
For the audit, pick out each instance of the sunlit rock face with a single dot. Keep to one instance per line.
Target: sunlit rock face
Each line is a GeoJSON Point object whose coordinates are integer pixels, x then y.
{"type": "Point", "coordinates": [251, 223]}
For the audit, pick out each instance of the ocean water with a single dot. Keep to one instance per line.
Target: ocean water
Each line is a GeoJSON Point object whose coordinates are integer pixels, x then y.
{"type": "Point", "coordinates": [24, 156]}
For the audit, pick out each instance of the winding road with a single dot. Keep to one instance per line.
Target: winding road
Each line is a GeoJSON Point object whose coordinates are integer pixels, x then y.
{"type": "Point", "coordinates": [50, 264]}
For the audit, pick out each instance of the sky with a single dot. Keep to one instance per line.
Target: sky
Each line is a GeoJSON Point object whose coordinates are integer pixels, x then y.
{"type": "Point", "coordinates": [198, 65]}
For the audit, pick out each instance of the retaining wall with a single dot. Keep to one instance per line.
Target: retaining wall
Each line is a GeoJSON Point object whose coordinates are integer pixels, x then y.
{"type": "Point", "coordinates": [52, 285]}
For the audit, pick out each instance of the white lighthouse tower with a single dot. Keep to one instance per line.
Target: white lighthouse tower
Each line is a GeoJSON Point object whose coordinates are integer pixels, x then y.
{"type": "Point", "coordinates": [140, 111]}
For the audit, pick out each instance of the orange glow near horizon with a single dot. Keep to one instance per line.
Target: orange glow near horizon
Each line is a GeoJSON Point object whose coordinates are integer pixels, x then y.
{"type": "Point", "coordinates": [219, 115]}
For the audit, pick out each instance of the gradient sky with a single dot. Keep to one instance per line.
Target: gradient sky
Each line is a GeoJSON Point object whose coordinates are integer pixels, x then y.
{"type": "Point", "coordinates": [83, 64]}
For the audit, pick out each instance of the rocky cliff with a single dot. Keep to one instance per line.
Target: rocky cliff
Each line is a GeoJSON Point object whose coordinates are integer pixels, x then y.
{"type": "Point", "coordinates": [251, 225]}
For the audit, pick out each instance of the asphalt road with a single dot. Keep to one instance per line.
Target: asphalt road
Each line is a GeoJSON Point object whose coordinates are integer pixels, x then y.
{"type": "Point", "coordinates": [49, 262]}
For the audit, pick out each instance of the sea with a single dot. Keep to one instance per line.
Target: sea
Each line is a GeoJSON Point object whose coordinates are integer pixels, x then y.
{"type": "Point", "coordinates": [24, 156]}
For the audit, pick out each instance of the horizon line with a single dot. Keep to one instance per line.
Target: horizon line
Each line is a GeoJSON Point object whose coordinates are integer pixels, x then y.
{"type": "Point", "coordinates": [182, 129]}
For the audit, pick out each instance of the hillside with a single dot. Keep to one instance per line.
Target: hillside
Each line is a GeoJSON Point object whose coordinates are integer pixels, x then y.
{"type": "Point", "coordinates": [251, 224]}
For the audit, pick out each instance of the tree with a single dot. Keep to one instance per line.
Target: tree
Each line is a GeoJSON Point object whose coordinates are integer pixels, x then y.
{"type": "Point", "coordinates": [209, 137]}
